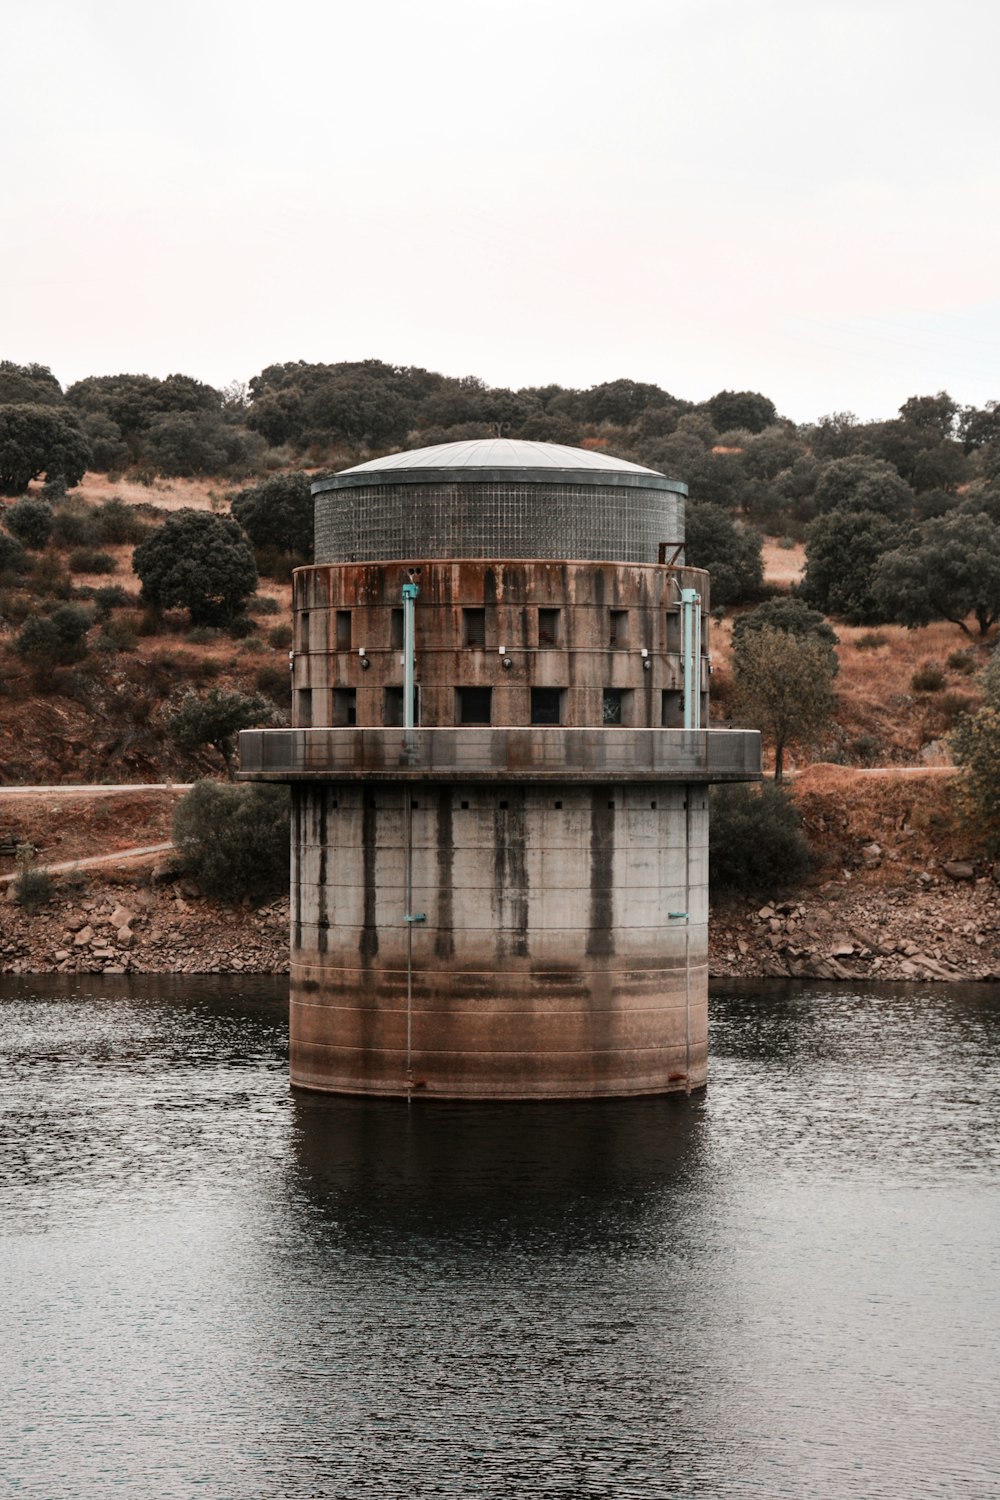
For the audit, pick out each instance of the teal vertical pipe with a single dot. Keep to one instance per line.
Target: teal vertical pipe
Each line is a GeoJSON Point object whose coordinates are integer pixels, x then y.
{"type": "Point", "coordinates": [691, 652]}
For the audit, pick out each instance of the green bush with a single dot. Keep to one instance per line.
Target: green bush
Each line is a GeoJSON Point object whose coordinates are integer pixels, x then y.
{"type": "Point", "coordinates": [871, 641]}
{"type": "Point", "coordinates": [962, 661]}
{"type": "Point", "coordinates": [12, 554]}
{"type": "Point", "coordinates": [110, 596]}
{"type": "Point", "coordinates": [263, 604]}
{"type": "Point", "coordinates": [234, 840]}
{"type": "Point", "coordinates": [90, 560]}
{"type": "Point", "coordinates": [118, 524]}
{"type": "Point", "coordinates": [280, 637]}
{"type": "Point", "coordinates": [31, 521]}
{"type": "Point", "coordinates": [75, 525]}
{"type": "Point", "coordinates": [58, 639]}
{"type": "Point", "coordinates": [756, 843]}
{"type": "Point", "coordinates": [32, 886]}
{"type": "Point", "coordinates": [928, 678]}
{"type": "Point", "coordinates": [275, 683]}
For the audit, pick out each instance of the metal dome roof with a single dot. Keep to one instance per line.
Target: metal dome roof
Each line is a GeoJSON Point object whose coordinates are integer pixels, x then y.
{"type": "Point", "coordinates": [502, 453]}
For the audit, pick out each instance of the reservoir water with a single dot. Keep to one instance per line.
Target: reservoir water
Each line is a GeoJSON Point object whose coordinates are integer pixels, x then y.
{"type": "Point", "coordinates": [786, 1286]}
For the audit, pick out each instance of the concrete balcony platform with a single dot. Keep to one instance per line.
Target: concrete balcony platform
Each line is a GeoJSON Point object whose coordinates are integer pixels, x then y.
{"type": "Point", "coordinates": [498, 755]}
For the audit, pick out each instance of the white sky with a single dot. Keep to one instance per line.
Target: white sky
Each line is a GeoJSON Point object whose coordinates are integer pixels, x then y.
{"type": "Point", "coordinates": [797, 198]}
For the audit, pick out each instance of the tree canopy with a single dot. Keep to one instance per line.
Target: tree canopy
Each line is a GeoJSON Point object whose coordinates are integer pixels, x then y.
{"type": "Point", "coordinates": [951, 570]}
{"type": "Point", "coordinates": [730, 552]}
{"type": "Point", "coordinates": [842, 552]}
{"type": "Point", "coordinates": [278, 513]}
{"type": "Point", "coordinates": [217, 719]}
{"type": "Point", "coordinates": [783, 687]}
{"type": "Point", "coordinates": [199, 562]}
{"type": "Point", "coordinates": [39, 439]}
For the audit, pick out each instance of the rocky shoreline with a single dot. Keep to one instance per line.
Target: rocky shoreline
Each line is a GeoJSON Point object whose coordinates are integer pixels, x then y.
{"type": "Point", "coordinates": [936, 927]}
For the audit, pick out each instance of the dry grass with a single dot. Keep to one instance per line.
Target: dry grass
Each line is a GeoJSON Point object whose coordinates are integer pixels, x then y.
{"type": "Point", "coordinates": [165, 494]}
{"type": "Point", "coordinates": [783, 565]}
{"type": "Point", "coordinates": [910, 814]}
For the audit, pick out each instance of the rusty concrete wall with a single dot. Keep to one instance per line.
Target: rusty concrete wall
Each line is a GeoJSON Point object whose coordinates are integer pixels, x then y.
{"type": "Point", "coordinates": [579, 627]}
{"type": "Point", "coordinates": [552, 962]}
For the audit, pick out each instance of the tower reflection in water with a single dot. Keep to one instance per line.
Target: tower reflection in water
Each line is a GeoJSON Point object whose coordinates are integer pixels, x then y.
{"type": "Point", "coordinates": [381, 1171]}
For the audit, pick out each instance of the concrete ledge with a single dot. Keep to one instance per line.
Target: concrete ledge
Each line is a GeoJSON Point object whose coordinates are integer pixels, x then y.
{"type": "Point", "coordinates": [500, 755]}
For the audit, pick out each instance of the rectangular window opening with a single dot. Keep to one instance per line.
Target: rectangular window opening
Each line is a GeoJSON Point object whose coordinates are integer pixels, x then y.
{"type": "Point", "coordinates": [304, 708]}
{"type": "Point", "coordinates": [546, 705]}
{"type": "Point", "coordinates": [392, 710]}
{"type": "Point", "coordinates": [672, 709]}
{"type": "Point", "coordinates": [503, 806]}
{"type": "Point", "coordinates": [396, 630]}
{"type": "Point", "coordinates": [548, 628]}
{"type": "Point", "coordinates": [304, 631]}
{"type": "Point", "coordinates": [617, 705]}
{"type": "Point", "coordinates": [474, 627]}
{"type": "Point", "coordinates": [474, 705]}
{"type": "Point", "coordinates": [618, 629]}
{"type": "Point", "coordinates": [672, 632]}
{"type": "Point", "coordinates": [465, 807]}
{"type": "Point", "coordinates": [557, 805]}
{"type": "Point", "coordinates": [345, 707]}
{"type": "Point", "coordinates": [343, 630]}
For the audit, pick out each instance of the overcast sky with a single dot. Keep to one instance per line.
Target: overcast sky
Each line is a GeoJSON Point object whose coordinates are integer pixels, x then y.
{"type": "Point", "coordinates": [793, 196]}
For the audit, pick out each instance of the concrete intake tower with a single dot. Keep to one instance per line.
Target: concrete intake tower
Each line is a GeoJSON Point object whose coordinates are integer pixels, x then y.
{"type": "Point", "coordinates": [499, 780]}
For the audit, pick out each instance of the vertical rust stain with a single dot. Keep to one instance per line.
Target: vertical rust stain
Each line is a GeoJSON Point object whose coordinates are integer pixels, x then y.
{"type": "Point", "coordinates": [510, 874]}
{"type": "Point", "coordinates": [444, 942]}
{"type": "Point", "coordinates": [368, 944]}
{"type": "Point", "coordinates": [600, 932]}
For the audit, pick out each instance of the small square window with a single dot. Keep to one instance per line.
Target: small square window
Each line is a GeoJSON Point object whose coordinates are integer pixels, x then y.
{"type": "Point", "coordinates": [474, 705]}
{"type": "Point", "coordinates": [548, 628]}
{"type": "Point", "coordinates": [474, 627]}
{"type": "Point", "coordinates": [618, 630]}
{"type": "Point", "coordinates": [546, 705]}
{"type": "Point", "coordinates": [343, 630]}
{"type": "Point", "coordinates": [345, 707]}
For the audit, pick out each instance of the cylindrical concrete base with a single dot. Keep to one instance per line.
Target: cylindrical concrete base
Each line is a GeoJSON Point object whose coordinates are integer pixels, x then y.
{"type": "Point", "coordinates": [561, 951]}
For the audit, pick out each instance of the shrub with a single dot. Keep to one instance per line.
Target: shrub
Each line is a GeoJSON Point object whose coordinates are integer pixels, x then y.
{"type": "Point", "coordinates": [75, 525]}
{"type": "Point", "coordinates": [32, 886]}
{"type": "Point", "coordinates": [234, 840]}
{"type": "Point", "coordinates": [756, 843]}
{"type": "Point", "coordinates": [30, 520]}
{"type": "Point", "coordinates": [252, 646]}
{"type": "Point", "coordinates": [216, 720]}
{"type": "Point", "coordinates": [49, 578]}
{"type": "Point", "coordinates": [203, 635]}
{"type": "Point", "coordinates": [54, 640]}
{"type": "Point", "coordinates": [241, 627]}
{"type": "Point", "coordinates": [866, 750]}
{"type": "Point", "coordinates": [118, 524]}
{"type": "Point", "coordinates": [871, 641]}
{"type": "Point", "coordinates": [108, 597]}
{"type": "Point", "coordinates": [280, 637]}
{"type": "Point", "coordinates": [962, 661]}
{"type": "Point", "coordinates": [928, 678]}
{"type": "Point", "coordinates": [954, 706]}
{"type": "Point", "coordinates": [275, 683]}
{"type": "Point", "coordinates": [263, 604]}
{"type": "Point", "coordinates": [12, 555]}
{"type": "Point", "coordinates": [90, 560]}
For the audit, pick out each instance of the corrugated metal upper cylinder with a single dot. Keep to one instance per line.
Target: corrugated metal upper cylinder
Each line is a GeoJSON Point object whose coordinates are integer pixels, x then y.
{"type": "Point", "coordinates": [497, 497]}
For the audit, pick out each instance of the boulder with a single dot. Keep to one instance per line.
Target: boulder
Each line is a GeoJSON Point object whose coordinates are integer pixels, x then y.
{"type": "Point", "coordinates": [83, 937]}
{"type": "Point", "coordinates": [959, 869]}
